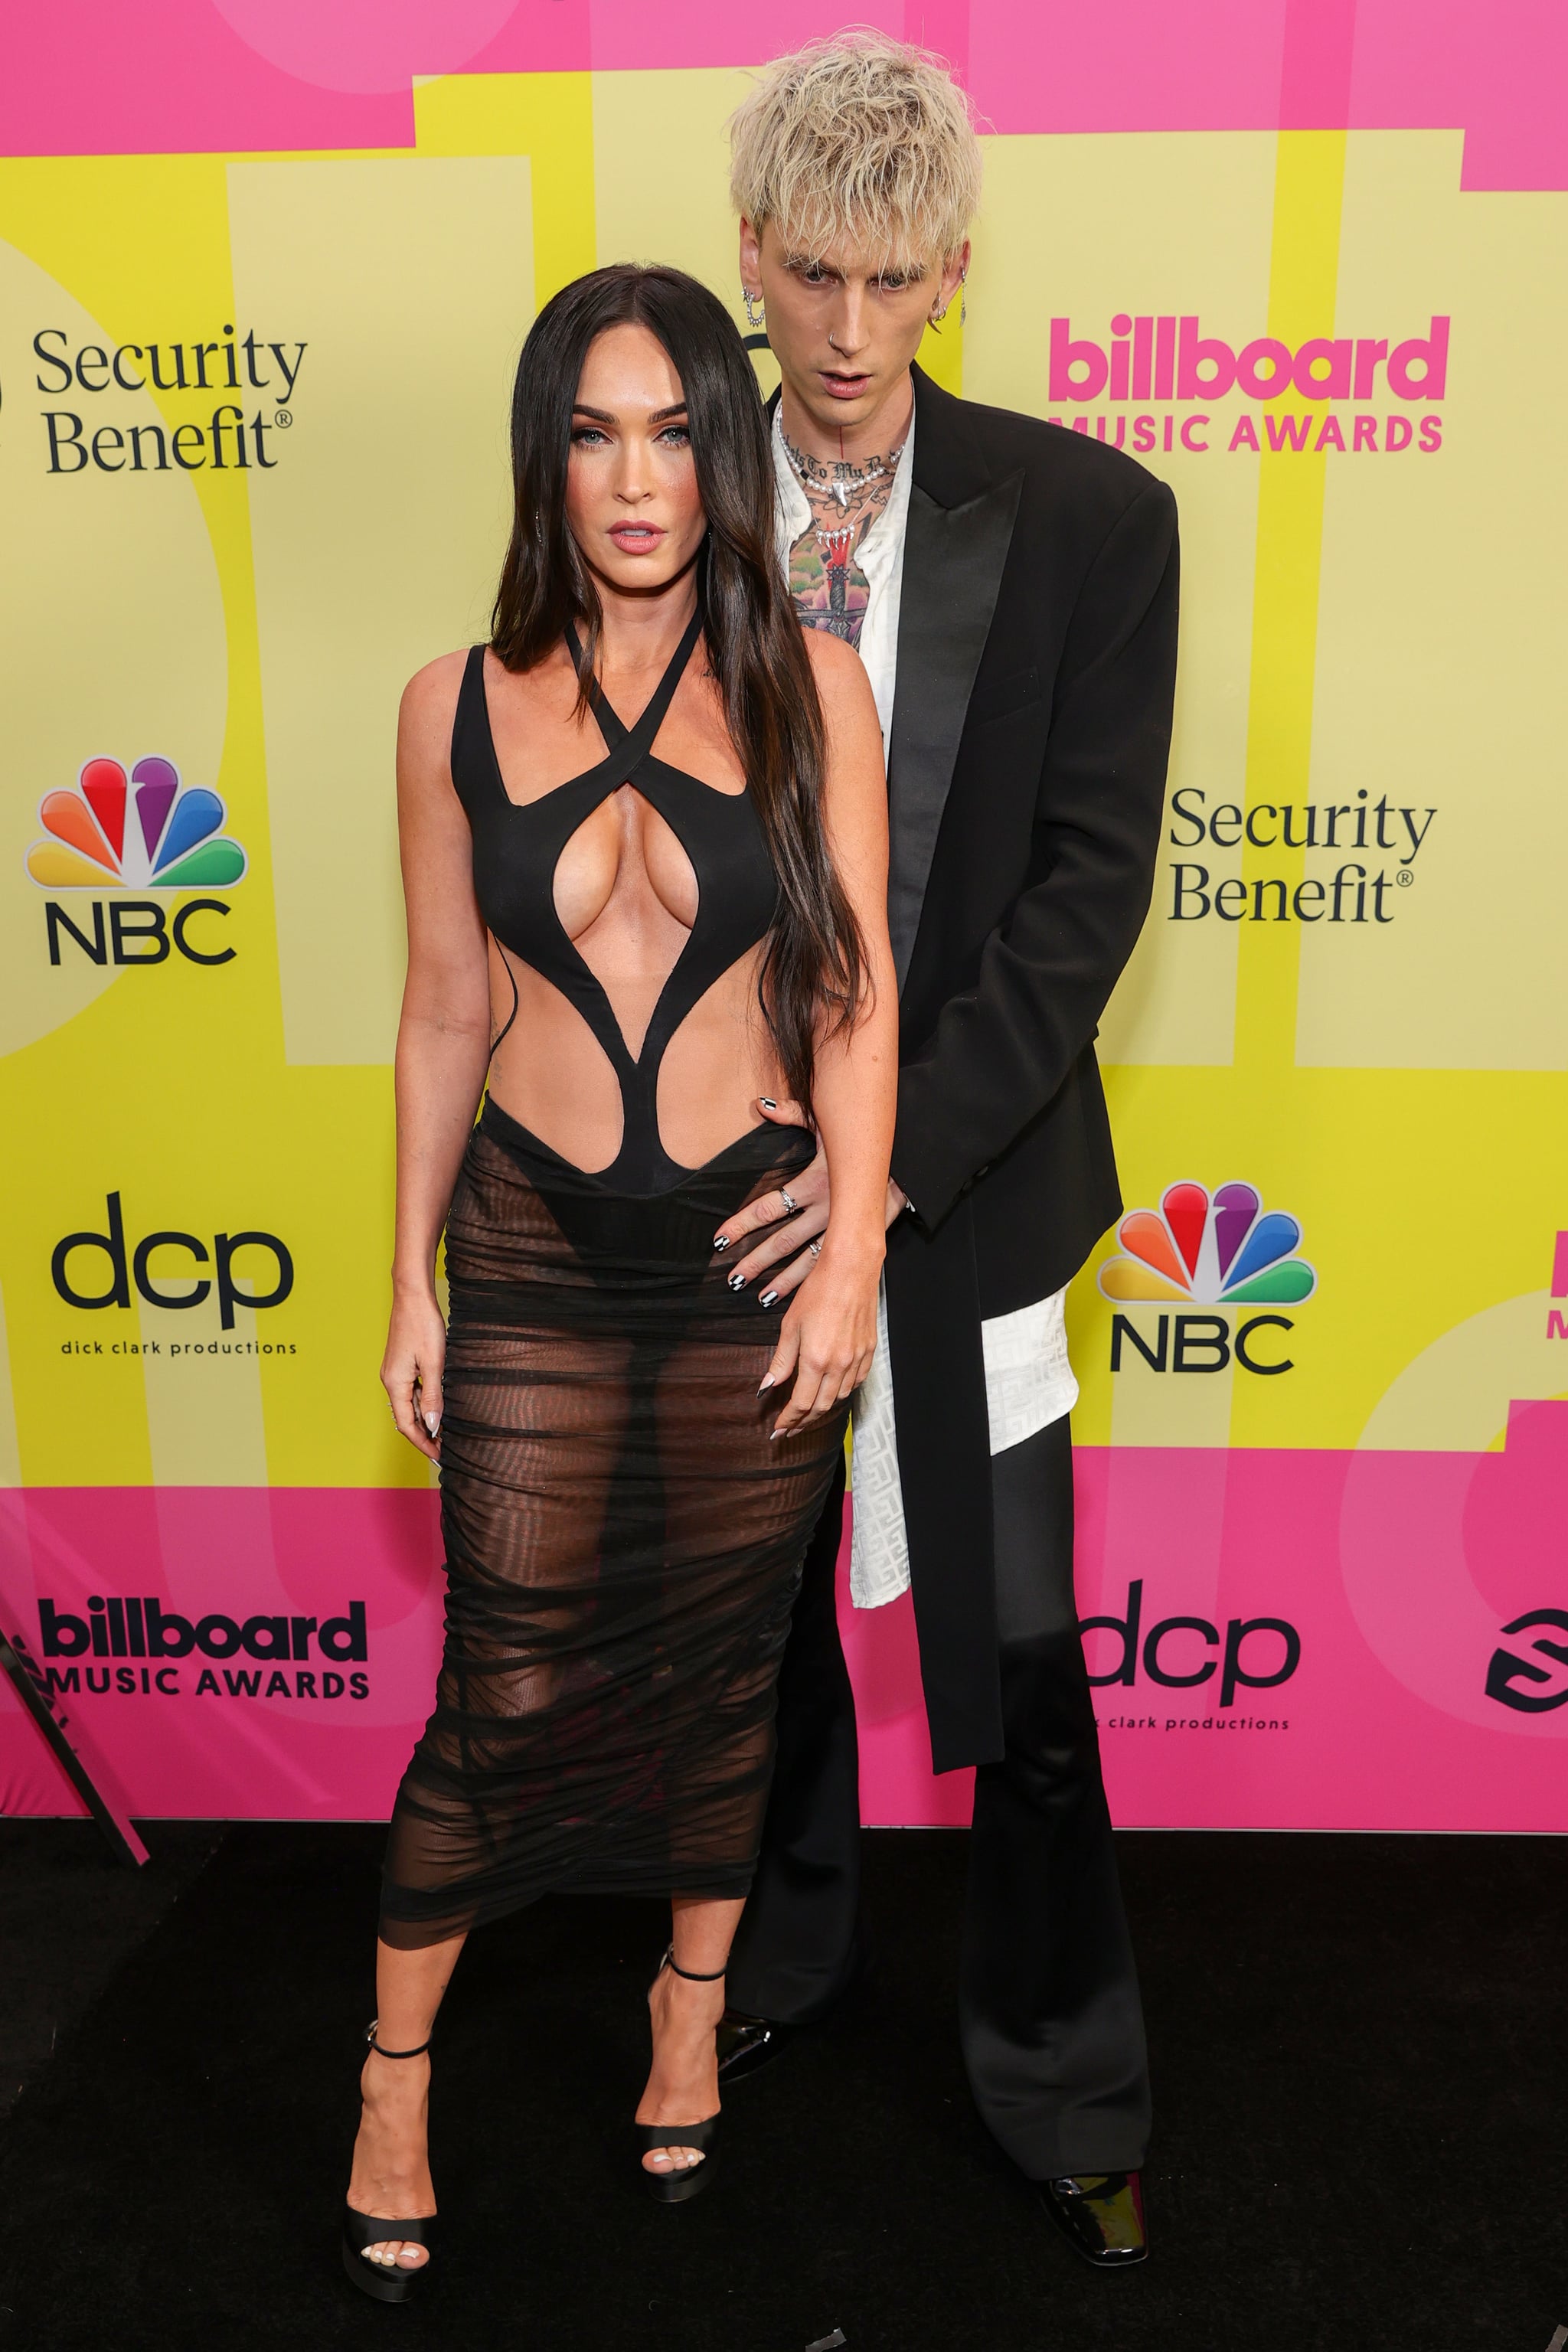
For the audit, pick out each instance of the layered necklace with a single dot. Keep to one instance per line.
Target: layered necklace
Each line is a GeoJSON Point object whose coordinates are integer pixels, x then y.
{"type": "Point", "coordinates": [841, 480]}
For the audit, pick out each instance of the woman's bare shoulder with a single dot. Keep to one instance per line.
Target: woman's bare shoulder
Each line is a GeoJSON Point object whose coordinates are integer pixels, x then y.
{"type": "Point", "coordinates": [431, 694]}
{"type": "Point", "coordinates": [834, 662]}
{"type": "Point", "coordinates": [839, 672]}
{"type": "Point", "coordinates": [425, 720]}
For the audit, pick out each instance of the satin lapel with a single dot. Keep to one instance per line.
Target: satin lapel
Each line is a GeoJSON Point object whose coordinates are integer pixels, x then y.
{"type": "Point", "coordinates": [954, 558]}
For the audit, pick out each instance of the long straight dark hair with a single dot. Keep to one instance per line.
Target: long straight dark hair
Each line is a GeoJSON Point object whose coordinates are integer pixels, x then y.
{"type": "Point", "coordinates": [814, 972]}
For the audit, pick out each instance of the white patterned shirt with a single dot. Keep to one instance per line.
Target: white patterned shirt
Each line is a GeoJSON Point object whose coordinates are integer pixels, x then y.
{"type": "Point", "coordinates": [1029, 1382]}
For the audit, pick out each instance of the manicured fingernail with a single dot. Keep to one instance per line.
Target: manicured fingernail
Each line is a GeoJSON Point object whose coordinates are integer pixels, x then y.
{"type": "Point", "coordinates": [432, 1422]}
{"type": "Point", "coordinates": [738, 1280]}
{"type": "Point", "coordinates": [721, 1241]}
{"type": "Point", "coordinates": [767, 1102]}
{"type": "Point", "coordinates": [769, 1298]}
{"type": "Point", "coordinates": [766, 1385]}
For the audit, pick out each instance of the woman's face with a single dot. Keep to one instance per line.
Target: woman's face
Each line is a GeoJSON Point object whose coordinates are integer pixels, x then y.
{"type": "Point", "coordinates": [632, 501]}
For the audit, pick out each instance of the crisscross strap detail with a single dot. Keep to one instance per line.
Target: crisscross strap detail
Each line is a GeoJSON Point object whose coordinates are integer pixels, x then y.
{"type": "Point", "coordinates": [635, 744]}
{"type": "Point", "coordinates": [518, 845]}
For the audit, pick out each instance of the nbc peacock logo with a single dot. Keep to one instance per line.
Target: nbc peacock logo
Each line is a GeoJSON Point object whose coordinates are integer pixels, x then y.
{"type": "Point", "coordinates": [144, 832]}
{"type": "Point", "coordinates": [1221, 1249]}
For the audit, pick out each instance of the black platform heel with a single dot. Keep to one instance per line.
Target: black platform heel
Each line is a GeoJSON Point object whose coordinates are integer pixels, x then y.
{"type": "Point", "coordinates": [384, 2282]}
{"type": "Point", "coordinates": [675, 2188]}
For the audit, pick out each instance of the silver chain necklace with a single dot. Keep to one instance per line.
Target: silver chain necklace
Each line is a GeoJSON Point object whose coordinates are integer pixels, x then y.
{"type": "Point", "coordinates": [842, 482]}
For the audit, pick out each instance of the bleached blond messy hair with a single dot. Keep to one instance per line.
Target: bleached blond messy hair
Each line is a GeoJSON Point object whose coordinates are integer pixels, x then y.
{"type": "Point", "coordinates": [861, 137]}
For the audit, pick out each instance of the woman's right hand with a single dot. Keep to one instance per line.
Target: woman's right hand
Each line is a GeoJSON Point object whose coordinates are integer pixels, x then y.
{"type": "Point", "coordinates": [829, 1334]}
{"type": "Point", "coordinates": [411, 1368]}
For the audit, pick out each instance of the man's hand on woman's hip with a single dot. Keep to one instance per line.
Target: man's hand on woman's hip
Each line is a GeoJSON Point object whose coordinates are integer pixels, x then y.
{"type": "Point", "coordinates": [802, 1205]}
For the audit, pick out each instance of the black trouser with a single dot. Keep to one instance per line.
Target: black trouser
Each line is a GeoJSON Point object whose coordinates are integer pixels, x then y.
{"type": "Point", "coordinates": [1049, 2016]}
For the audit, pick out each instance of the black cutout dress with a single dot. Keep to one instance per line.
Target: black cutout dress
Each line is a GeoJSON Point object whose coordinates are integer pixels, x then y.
{"type": "Point", "coordinates": [623, 1539]}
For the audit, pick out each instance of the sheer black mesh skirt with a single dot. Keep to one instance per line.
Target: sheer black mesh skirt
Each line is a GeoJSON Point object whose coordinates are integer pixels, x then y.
{"type": "Point", "coordinates": [624, 1542]}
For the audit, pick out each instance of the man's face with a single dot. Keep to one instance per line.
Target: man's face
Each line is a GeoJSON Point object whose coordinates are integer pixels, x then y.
{"type": "Point", "coordinates": [844, 324]}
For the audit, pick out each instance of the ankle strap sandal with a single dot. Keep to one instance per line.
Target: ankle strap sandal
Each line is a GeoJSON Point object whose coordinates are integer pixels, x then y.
{"type": "Point", "coordinates": [692, 1976]}
{"type": "Point", "coordinates": [370, 2037]}
{"type": "Point", "coordinates": [676, 2188]}
{"type": "Point", "coordinates": [386, 2282]}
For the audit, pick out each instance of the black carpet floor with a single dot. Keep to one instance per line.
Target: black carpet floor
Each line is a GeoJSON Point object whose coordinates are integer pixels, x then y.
{"type": "Point", "coordinates": [1361, 2062]}
{"type": "Point", "coordinates": [70, 1914]}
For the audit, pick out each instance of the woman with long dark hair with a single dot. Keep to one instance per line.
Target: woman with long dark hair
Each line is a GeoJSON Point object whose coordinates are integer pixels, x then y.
{"type": "Point", "coordinates": [644, 842]}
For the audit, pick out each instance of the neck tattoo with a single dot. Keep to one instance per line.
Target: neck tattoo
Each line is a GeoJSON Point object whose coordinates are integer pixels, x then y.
{"type": "Point", "coordinates": [840, 480]}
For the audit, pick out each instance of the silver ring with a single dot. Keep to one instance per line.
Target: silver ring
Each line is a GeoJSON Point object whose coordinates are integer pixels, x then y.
{"type": "Point", "coordinates": [791, 1203]}
{"type": "Point", "coordinates": [815, 1247]}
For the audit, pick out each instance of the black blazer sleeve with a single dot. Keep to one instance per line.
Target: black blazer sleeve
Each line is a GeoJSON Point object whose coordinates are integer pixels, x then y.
{"type": "Point", "coordinates": [1000, 1052]}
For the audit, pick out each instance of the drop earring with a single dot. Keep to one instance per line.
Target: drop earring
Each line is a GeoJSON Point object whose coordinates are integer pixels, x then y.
{"type": "Point", "coordinates": [756, 310]}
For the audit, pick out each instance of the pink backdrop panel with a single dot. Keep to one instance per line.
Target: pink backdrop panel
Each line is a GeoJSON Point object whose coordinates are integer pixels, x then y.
{"type": "Point", "coordinates": [1194, 1556]}
{"type": "Point", "coordinates": [1384, 1724]}
{"type": "Point", "coordinates": [288, 1738]}
{"type": "Point", "coordinates": [84, 77]}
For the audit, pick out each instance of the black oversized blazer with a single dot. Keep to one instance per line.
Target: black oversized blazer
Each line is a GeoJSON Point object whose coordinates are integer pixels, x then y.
{"type": "Point", "coordinates": [1026, 776]}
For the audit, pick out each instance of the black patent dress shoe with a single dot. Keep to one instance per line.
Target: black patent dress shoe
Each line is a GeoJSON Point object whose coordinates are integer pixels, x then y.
{"type": "Point", "coordinates": [1101, 2215]}
{"type": "Point", "coordinates": [746, 2044]}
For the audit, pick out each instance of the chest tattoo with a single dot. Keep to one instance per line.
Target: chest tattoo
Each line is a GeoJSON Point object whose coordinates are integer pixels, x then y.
{"type": "Point", "coordinates": [829, 588]}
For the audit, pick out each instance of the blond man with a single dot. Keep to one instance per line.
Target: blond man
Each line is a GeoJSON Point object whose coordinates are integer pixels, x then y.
{"type": "Point", "coordinates": [1012, 589]}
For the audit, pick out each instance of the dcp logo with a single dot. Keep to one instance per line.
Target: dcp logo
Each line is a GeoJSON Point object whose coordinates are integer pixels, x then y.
{"type": "Point", "coordinates": [70, 1266]}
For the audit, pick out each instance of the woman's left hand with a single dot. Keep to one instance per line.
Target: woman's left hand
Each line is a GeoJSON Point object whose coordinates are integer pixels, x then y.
{"type": "Point", "coordinates": [829, 1334]}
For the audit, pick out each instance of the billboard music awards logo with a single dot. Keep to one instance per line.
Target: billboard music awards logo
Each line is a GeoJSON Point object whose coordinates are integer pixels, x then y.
{"type": "Point", "coordinates": [141, 1628]}
{"type": "Point", "coordinates": [1357, 392]}
{"type": "Point", "coordinates": [161, 836]}
{"type": "Point", "coordinates": [220, 439]}
{"type": "Point", "coordinates": [1219, 1250]}
{"type": "Point", "coordinates": [1557, 1316]}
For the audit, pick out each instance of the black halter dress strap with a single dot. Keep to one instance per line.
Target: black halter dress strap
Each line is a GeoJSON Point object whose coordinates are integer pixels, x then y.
{"type": "Point", "coordinates": [631, 745]}
{"type": "Point", "coordinates": [518, 845]}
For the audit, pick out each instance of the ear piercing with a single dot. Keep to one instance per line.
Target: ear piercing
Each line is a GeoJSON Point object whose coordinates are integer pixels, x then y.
{"type": "Point", "coordinates": [938, 316]}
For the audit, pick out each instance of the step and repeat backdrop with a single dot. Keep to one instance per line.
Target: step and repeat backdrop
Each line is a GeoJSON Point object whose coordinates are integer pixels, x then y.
{"type": "Point", "coordinates": [264, 273]}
